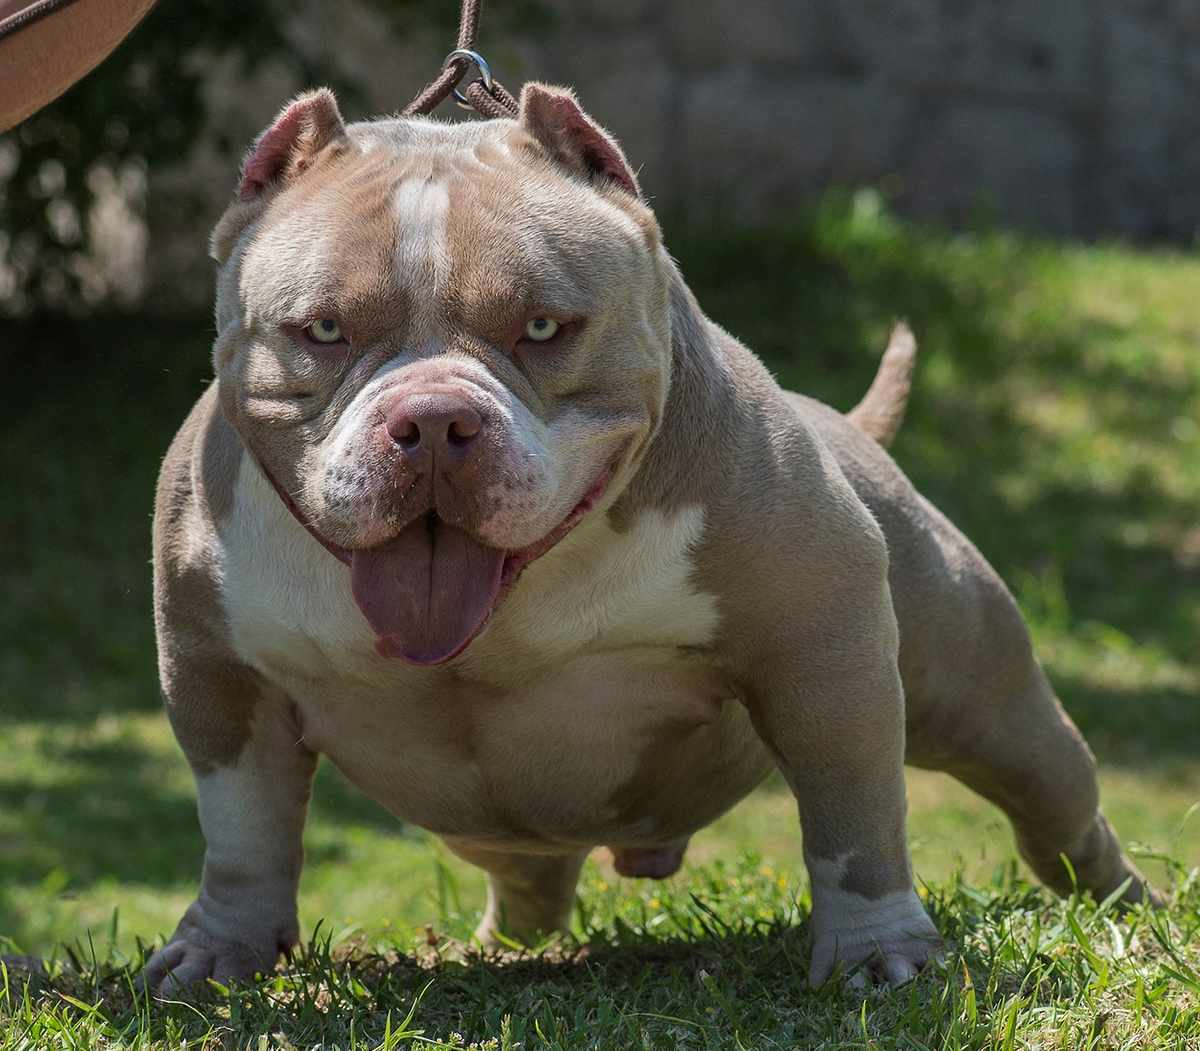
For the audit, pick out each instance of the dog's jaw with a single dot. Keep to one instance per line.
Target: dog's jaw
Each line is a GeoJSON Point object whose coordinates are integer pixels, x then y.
{"type": "Point", "coordinates": [519, 559]}
{"type": "Point", "coordinates": [503, 568]}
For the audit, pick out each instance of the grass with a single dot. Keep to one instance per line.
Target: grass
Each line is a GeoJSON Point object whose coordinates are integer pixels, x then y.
{"type": "Point", "coordinates": [710, 961]}
{"type": "Point", "coordinates": [1055, 417]}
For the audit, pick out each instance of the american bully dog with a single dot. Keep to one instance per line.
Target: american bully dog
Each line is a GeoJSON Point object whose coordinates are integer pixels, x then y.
{"type": "Point", "coordinates": [485, 509]}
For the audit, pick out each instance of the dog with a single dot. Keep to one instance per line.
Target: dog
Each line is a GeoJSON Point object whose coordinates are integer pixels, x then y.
{"type": "Point", "coordinates": [485, 509]}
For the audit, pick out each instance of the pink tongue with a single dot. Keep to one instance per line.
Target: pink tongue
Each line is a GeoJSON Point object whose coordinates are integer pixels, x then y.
{"type": "Point", "coordinates": [426, 592]}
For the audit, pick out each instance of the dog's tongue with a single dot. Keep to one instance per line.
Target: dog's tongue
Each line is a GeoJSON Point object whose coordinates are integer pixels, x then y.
{"type": "Point", "coordinates": [426, 592]}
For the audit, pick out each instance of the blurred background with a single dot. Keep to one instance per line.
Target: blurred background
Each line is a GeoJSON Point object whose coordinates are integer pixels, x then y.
{"type": "Point", "coordinates": [1073, 118]}
{"type": "Point", "coordinates": [1020, 180]}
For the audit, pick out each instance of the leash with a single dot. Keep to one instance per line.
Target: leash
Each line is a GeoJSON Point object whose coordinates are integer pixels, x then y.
{"type": "Point", "coordinates": [484, 95]}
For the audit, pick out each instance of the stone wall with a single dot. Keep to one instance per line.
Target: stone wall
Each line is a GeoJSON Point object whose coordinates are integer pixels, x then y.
{"type": "Point", "coordinates": [1074, 117]}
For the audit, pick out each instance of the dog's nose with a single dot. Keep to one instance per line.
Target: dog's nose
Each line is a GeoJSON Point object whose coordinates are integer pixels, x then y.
{"type": "Point", "coordinates": [435, 424]}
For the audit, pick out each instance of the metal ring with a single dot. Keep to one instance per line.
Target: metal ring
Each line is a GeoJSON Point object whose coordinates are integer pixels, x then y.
{"type": "Point", "coordinates": [477, 60]}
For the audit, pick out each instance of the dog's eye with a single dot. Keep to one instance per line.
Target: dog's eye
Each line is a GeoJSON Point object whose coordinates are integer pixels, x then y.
{"type": "Point", "coordinates": [325, 330]}
{"type": "Point", "coordinates": [540, 329]}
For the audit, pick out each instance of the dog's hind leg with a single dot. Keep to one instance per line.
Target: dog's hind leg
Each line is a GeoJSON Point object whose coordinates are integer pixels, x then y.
{"type": "Point", "coordinates": [1023, 753]}
{"type": "Point", "coordinates": [979, 706]}
{"type": "Point", "coordinates": [530, 896]}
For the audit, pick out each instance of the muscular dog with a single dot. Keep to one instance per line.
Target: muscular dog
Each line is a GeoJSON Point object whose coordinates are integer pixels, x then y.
{"type": "Point", "coordinates": [484, 508]}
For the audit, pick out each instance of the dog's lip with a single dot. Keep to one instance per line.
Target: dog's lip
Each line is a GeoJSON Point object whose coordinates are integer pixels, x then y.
{"type": "Point", "coordinates": [338, 552]}
{"type": "Point", "coordinates": [519, 559]}
{"type": "Point", "coordinates": [515, 560]}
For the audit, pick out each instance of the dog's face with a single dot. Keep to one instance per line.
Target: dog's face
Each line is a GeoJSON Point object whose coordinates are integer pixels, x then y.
{"type": "Point", "coordinates": [444, 345]}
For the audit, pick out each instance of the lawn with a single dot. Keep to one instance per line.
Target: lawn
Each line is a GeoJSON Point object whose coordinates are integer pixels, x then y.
{"type": "Point", "coordinates": [1055, 418]}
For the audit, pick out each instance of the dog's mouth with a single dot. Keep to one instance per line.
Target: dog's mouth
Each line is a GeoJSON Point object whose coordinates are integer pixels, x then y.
{"type": "Point", "coordinates": [429, 590]}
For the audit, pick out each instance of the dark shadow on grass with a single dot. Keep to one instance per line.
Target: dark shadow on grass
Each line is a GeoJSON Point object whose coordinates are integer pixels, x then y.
{"type": "Point", "coordinates": [106, 816]}
{"type": "Point", "coordinates": [85, 431]}
{"type": "Point", "coordinates": [630, 988]}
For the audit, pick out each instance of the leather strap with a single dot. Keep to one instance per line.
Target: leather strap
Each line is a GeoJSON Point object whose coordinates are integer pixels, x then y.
{"type": "Point", "coordinates": [48, 45]}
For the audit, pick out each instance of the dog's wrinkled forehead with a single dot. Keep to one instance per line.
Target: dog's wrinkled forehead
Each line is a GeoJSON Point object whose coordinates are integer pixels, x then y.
{"type": "Point", "coordinates": [415, 209]}
{"type": "Point", "coordinates": [432, 148]}
{"type": "Point", "coordinates": [468, 197]}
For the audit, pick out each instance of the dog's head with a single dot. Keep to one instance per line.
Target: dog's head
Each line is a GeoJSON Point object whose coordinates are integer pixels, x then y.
{"type": "Point", "coordinates": [444, 344]}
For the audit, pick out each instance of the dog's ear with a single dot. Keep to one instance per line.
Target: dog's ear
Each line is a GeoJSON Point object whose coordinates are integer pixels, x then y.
{"type": "Point", "coordinates": [307, 126]}
{"type": "Point", "coordinates": [573, 139]}
{"type": "Point", "coordinates": [304, 128]}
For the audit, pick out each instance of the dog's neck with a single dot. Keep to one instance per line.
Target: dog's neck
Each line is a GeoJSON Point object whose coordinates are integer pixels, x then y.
{"type": "Point", "coordinates": [701, 417]}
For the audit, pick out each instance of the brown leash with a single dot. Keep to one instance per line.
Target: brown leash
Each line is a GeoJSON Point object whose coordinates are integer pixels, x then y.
{"type": "Point", "coordinates": [484, 95]}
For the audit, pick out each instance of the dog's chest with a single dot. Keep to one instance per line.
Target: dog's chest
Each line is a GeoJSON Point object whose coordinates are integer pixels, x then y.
{"type": "Point", "coordinates": [614, 749]}
{"type": "Point", "coordinates": [559, 722]}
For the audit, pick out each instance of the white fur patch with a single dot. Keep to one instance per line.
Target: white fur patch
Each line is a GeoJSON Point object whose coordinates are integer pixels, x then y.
{"type": "Point", "coordinates": [614, 589]}
{"type": "Point", "coordinates": [238, 811]}
{"type": "Point", "coordinates": [252, 814]}
{"type": "Point", "coordinates": [892, 933]}
{"type": "Point", "coordinates": [852, 914]}
{"type": "Point", "coordinates": [421, 253]}
{"type": "Point", "coordinates": [287, 600]}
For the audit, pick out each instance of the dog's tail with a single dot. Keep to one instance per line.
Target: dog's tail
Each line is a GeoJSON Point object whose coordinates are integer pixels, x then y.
{"type": "Point", "coordinates": [881, 411]}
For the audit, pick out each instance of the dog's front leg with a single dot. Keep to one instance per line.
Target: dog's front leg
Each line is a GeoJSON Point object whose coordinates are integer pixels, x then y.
{"type": "Point", "coordinates": [832, 712]}
{"type": "Point", "coordinates": [252, 812]}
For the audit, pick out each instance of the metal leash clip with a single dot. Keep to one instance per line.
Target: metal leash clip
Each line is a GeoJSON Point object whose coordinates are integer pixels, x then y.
{"type": "Point", "coordinates": [476, 59]}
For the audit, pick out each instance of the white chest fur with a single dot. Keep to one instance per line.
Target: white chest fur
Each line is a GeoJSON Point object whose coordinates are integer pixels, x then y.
{"type": "Point", "coordinates": [601, 591]}
{"type": "Point", "coordinates": [287, 600]}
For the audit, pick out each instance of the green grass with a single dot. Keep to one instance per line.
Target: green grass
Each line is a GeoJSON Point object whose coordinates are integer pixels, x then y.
{"type": "Point", "coordinates": [1055, 417]}
{"type": "Point", "coordinates": [712, 960]}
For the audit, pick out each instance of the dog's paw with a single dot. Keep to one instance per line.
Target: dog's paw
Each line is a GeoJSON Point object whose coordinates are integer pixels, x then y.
{"type": "Point", "coordinates": [891, 962]}
{"type": "Point", "coordinates": [888, 942]}
{"type": "Point", "coordinates": [492, 937]}
{"type": "Point", "coordinates": [193, 956]}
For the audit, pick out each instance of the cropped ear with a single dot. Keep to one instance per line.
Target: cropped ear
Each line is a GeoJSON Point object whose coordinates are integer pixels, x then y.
{"type": "Point", "coordinates": [573, 139]}
{"type": "Point", "coordinates": [304, 128]}
{"type": "Point", "coordinates": [307, 126]}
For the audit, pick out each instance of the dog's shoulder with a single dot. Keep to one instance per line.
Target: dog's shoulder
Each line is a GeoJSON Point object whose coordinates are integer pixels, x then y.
{"type": "Point", "coordinates": [210, 694]}
{"type": "Point", "coordinates": [197, 481]}
{"type": "Point", "coordinates": [857, 453]}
